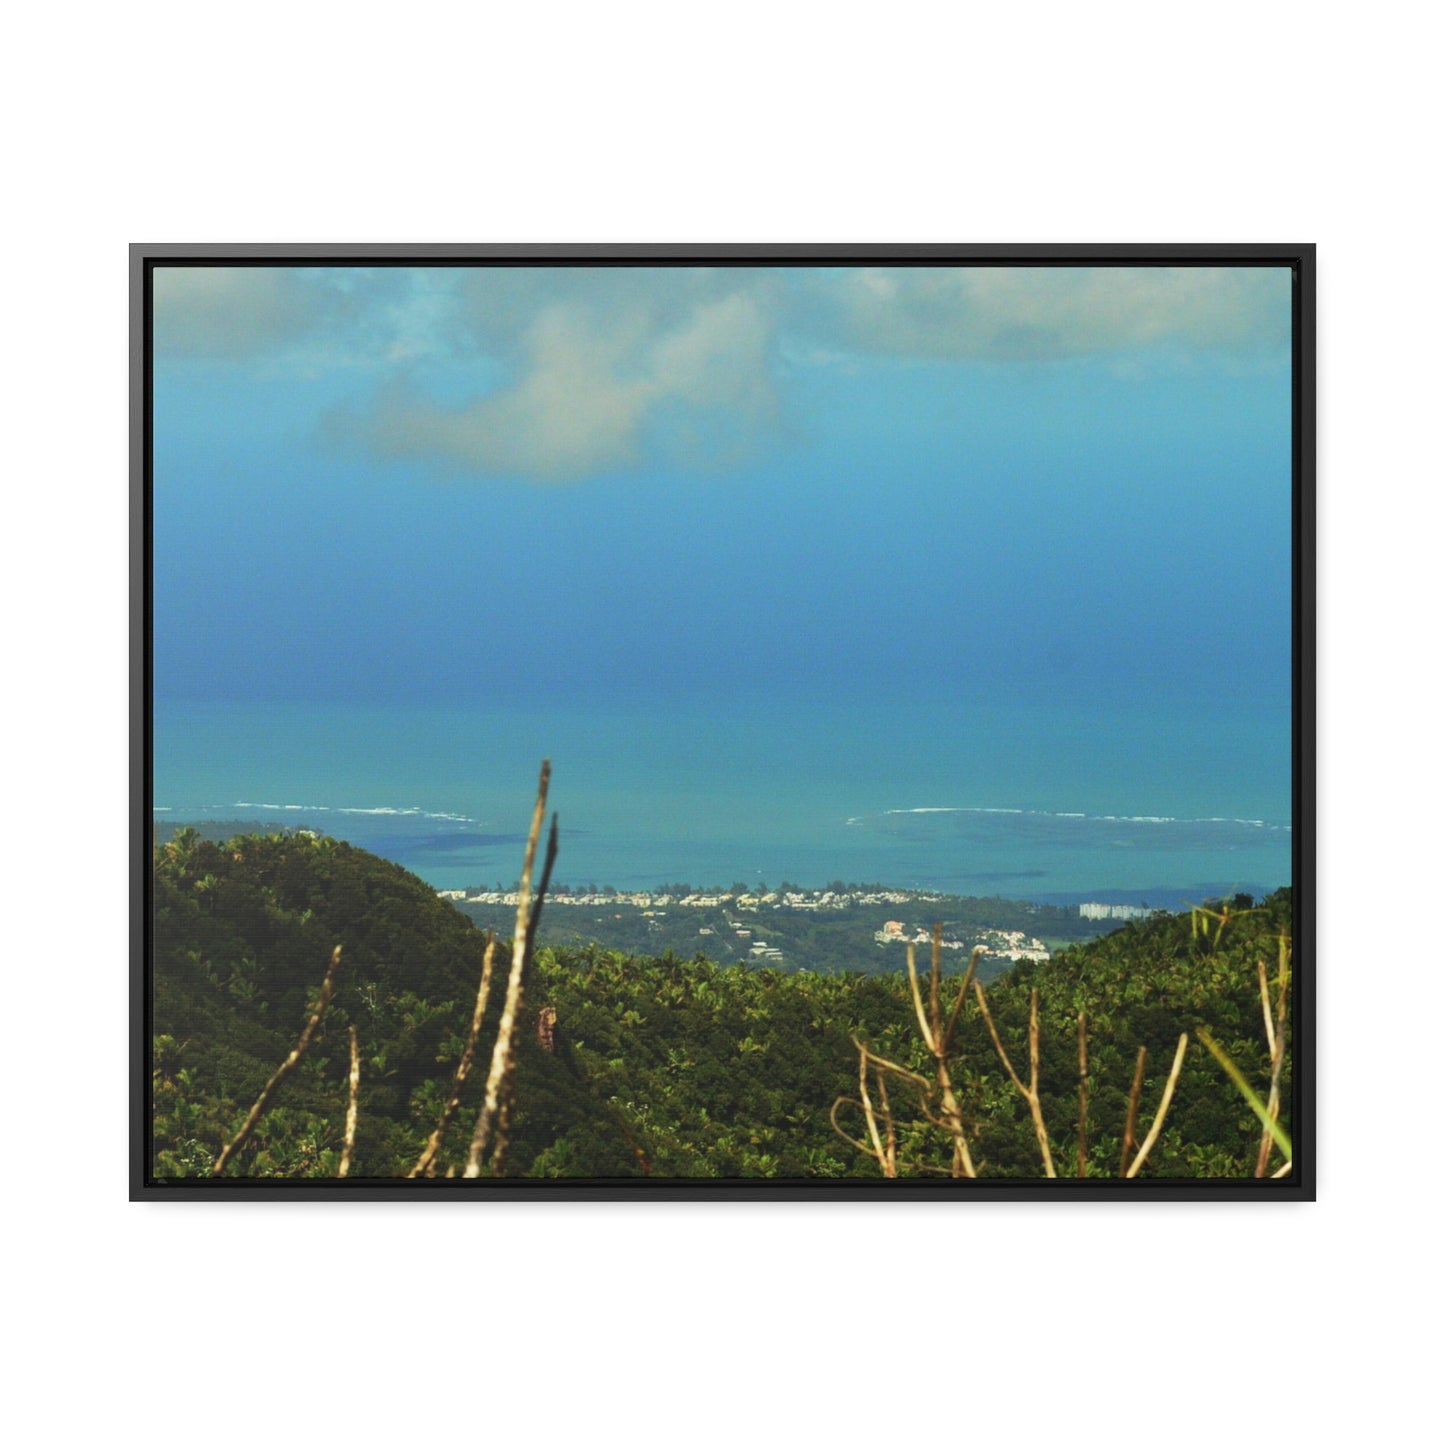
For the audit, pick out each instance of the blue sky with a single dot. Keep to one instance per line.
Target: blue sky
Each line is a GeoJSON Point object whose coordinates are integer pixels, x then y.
{"type": "Point", "coordinates": [651, 485]}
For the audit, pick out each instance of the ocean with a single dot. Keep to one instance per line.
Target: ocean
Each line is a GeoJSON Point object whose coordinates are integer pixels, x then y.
{"type": "Point", "coordinates": [1045, 801]}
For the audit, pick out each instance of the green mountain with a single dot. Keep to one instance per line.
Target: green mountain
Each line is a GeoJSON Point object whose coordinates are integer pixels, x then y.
{"type": "Point", "coordinates": [665, 1066]}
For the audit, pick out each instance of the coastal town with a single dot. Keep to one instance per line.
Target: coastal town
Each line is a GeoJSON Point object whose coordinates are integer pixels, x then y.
{"type": "Point", "coordinates": [839, 927]}
{"type": "Point", "coordinates": [806, 900]}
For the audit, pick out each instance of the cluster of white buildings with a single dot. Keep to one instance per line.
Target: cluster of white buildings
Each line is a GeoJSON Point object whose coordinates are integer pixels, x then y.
{"type": "Point", "coordinates": [1014, 945]}
{"type": "Point", "coordinates": [1112, 910]}
{"type": "Point", "coordinates": [894, 932]}
{"type": "Point", "coordinates": [1011, 944]}
{"type": "Point", "coordinates": [810, 900]}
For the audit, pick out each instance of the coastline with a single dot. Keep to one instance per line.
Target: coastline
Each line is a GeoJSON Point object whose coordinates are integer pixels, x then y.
{"type": "Point", "coordinates": [455, 857]}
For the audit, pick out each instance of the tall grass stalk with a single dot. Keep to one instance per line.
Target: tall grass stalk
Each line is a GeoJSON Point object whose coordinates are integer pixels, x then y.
{"type": "Point", "coordinates": [328, 984]}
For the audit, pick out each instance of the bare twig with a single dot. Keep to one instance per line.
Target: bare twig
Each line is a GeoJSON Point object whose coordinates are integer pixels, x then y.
{"type": "Point", "coordinates": [937, 1041]}
{"type": "Point", "coordinates": [292, 1059]}
{"type": "Point", "coordinates": [1266, 1005]}
{"type": "Point", "coordinates": [1133, 1117]}
{"type": "Point", "coordinates": [1274, 1028]}
{"type": "Point", "coordinates": [504, 1111]}
{"type": "Point", "coordinates": [935, 963]}
{"type": "Point", "coordinates": [1083, 1147]}
{"type": "Point", "coordinates": [1035, 1106]}
{"type": "Point", "coordinates": [1276, 1056]}
{"type": "Point", "coordinates": [1031, 1092]}
{"type": "Point", "coordinates": [504, 1128]}
{"type": "Point", "coordinates": [1285, 954]}
{"type": "Point", "coordinates": [963, 992]}
{"type": "Point", "coordinates": [878, 1061]}
{"type": "Point", "coordinates": [890, 1138]}
{"type": "Point", "coordinates": [993, 1034]}
{"type": "Point", "coordinates": [963, 1165]}
{"type": "Point", "coordinates": [918, 1001]}
{"type": "Point", "coordinates": [637, 1152]}
{"type": "Point", "coordinates": [1164, 1102]}
{"type": "Point", "coordinates": [352, 1101]}
{"type": "Point", "coordinates": [879, 1152]}
{"type": "Point", "coordinates": [547, 863]}
{"type": "Point", "coordinates": [1034, 1042]}
{"type": "Point", "coordinates": [838, 1128]}
{"type": "Point", "coordinates": [426, 1164]}
{"type": "Point", "coordinates": [502, 1050]}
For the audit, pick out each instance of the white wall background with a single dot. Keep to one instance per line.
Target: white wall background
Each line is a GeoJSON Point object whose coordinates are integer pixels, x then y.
{"type": "Point", "coordinates": [772, 122]}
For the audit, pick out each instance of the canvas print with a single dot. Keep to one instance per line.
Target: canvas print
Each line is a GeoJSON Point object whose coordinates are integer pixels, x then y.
{"type": "Point", "coordinates": [772, 722]}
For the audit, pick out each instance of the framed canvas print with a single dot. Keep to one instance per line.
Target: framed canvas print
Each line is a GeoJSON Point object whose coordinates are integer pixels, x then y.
{"type": "Point", "coordinates": [659, 722]}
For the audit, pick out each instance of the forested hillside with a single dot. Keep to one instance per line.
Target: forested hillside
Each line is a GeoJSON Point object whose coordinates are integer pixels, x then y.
{"type": "Point", "coordinates": [673, 1067]}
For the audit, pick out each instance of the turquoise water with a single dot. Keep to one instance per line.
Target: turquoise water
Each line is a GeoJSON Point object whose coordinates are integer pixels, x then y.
{"type": "Point", "coordinates": [1023, 801]}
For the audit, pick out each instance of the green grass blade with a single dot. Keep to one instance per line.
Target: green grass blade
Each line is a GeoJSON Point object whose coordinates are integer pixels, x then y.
{"type": "Point", "coordinates": [1253, 1099]}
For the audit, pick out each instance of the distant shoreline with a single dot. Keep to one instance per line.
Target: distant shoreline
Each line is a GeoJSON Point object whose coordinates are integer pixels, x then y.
{"type": "Point", "coordinates": [1102, 904]}
{"type": "Point", "coordinates": [1167, 897]}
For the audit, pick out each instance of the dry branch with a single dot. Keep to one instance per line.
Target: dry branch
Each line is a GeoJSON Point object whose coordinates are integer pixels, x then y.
{"type": "Point", "coordinates": [637, 1151]}
{"type": "Point", "coordinates": [504, 1110]}
{"type": "Point", "coordinates": [962, 996]}
{"type": "Point", "coordinates": [353, 1097]}
{"type": "Point", "coordinates": [879, 1062]}
{"type": "Point", "coordinates": [292, 1059]}
{"type": "Point", "coordinates": [890, 1137]}
{"type": "Point", "coordinates": [1274, 1029]}
{"type": "Point", "coordinates": [498, 1080]}
{"type": "Point", "coordinates": [838, 1128]}
{"type": "Point", "coordinates": [963, 1165]}
{"type": "Point", "coordinates": [918, 1002]}
{"type": "Point", "coordinates": [1266, 1006]}
{"type": "Point", "coordinates": [1131, 1122]}
{"type": "Point", "coordinates": [879, 1152]}
{"type": "Point", "coordinates": [1164, 1102]}
{"type": "Point", "coordinates": [1031, 1092]}
{"type": "Point", "coordinates": [937, 1039]}
{"type": "Point", "coordinates": [935, 965]}
{"type": "Point", "coordinates": [426, 1164]}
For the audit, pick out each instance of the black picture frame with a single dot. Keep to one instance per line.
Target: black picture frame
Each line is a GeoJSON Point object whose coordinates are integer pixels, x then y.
{"type": "Point", "coordinates": [1299, 1185]}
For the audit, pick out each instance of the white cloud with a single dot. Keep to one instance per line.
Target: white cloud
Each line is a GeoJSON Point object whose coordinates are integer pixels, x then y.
{"type": "Point", "coordinates": [1027, 313]}
{"type": "Point", "coordinates": [307, 320]}
{"type": "Point", "coordinates": [606, 365]}
{"type": "Point", "coordinates": [231, 311]}
{"type": "Point", "coordinates": [559, 372]}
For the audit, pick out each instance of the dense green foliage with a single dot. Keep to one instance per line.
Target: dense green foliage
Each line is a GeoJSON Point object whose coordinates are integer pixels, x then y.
{"type": "Point", "coordinates": [669, 1066]}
